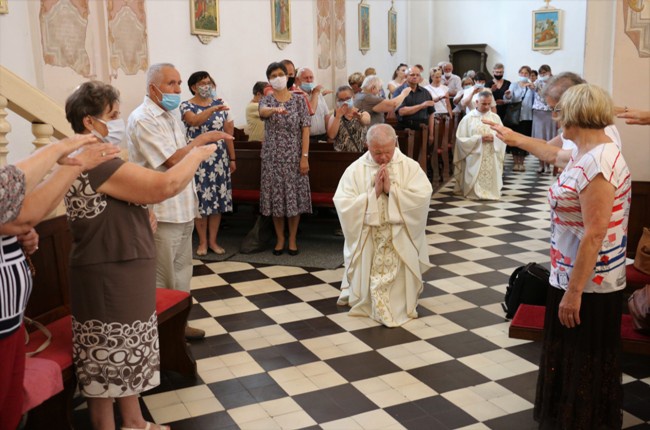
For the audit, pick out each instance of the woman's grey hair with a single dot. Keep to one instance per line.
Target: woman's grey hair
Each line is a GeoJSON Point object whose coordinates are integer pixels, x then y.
{"type": "Point", "coordinates": [154, 74]}
{"type": "Point", "coordinates": [557, 85]}
{"type": "Point", "coordinates": [371, 81]}
{"type": "Point", "coordinates": [381, 133]}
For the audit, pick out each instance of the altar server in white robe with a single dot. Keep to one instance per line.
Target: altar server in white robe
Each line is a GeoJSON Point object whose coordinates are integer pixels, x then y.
{"type": "Point", "coordinates": [382, 202]}
{"type": "Point", "coordinates": [479, 154]}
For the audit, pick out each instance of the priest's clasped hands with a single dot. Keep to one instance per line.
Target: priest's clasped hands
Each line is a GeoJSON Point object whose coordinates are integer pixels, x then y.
{"type": "Point", "coordinates": [382, 181]}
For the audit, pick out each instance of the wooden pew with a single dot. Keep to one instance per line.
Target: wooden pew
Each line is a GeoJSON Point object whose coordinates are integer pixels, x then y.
{"type": "Point", "coordinates": [326, 167]}
{"type": "Point", "coordinates": [528, 324]}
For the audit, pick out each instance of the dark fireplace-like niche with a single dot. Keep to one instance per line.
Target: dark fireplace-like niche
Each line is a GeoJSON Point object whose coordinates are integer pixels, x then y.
{"type": "Point", "coordinates": [469, 57]}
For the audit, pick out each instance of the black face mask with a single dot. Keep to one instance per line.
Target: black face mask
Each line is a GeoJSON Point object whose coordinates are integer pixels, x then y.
{"type": "Point", "coordinates": [290, 81]}
{"type": "Point", "coordinates": [498, 77]}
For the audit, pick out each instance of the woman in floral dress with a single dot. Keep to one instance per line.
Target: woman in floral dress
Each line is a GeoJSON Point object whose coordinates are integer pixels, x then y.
{"type": "Point", "coordinates": [205, 112]}
{"type": "Point", "coordinates": [284, 190]}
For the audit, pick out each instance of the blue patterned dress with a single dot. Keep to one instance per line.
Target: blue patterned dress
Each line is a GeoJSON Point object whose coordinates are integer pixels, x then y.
{"type": "Point", "coordinates": [212, 178]}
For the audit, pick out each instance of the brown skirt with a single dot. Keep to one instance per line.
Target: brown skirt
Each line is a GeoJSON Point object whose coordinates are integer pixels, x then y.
{"type": "Point", "coordinates": [579, 382]}
{"type": "Point", "coordinates": [115, 329]}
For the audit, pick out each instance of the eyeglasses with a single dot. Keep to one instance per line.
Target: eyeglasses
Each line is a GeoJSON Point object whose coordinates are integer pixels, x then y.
{"type": "Point", "coordinates": [556, 109]}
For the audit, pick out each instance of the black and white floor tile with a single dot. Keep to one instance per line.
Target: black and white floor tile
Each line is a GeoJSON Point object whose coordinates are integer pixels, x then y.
{"type": "Point", "coordinates": [279, 353]}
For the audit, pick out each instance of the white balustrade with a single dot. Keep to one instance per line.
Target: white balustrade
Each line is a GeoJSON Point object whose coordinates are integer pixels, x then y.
{"type": "Point", "coordinates": [5, 128]}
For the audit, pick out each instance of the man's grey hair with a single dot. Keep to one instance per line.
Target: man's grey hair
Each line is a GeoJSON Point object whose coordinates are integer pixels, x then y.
{"type": "Point", "coordinates": [485, 94]}
{"type": "Point", "coordinates": [154, 74]}
{"type": "Point", "coordinates": [498, 66]}
{"type": "Point", "coordinates": [444, 64]}
{"type": "Point", "coordinates": [371, 81]}
{"type": "Point", "coordinates": [301, 71]}
{"type": "Point", "coordinates": [557, 85]}
{"type": "Point", "coordinates": [381, 133]}
{"type": "Point", "coordinates": [469, 74]}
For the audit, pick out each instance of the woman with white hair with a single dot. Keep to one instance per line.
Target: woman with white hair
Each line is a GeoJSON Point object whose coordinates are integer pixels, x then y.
{"type": "Point", "coordinates": [579, 381]}
{"type": "Point", "coordinates": [368, 100]}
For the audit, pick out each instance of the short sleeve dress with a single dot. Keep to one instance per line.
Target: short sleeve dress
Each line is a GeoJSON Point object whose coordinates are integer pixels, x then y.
{"type": "Point", "coordinates": [212, 178]}
{"type": "Point", "coordinates": [113, 290]}
{"type": "Point", "coordinates": [284, 191]}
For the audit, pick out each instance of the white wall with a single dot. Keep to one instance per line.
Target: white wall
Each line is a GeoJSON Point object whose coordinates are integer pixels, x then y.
{"type": "Point", "coordinates": [15, 48]}
{"type": "Point", "coordinates": [378, 55]}
{"type": "Point", "coordinates": [506, 26]}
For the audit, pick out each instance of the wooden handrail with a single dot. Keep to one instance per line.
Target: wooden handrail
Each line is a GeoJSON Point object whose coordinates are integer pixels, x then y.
{"type": "Point", "coordinates": [32, 104]}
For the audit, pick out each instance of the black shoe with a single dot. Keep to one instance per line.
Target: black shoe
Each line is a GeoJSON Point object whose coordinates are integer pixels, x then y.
{"type": "Point", "coordinates": [294, 252]}
{"type": "Point", "coordinates": [278, 251]}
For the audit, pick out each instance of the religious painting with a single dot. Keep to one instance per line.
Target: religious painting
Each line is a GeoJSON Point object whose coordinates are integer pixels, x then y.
{"type": "Point", "coordinates": [392, 31]}
{"type": "Point", "coordinates": [4, 6]}
{"type": "Point", "coordinates": [364, 27]}
{"type": "Point", "coordinates": [547, 29]}
{"type": "Point", "coordinates": [637, 25]}
{"type": "Point", "coordinates": [281, 21]}
{"type": "Point", "coordinates": [204, 17]}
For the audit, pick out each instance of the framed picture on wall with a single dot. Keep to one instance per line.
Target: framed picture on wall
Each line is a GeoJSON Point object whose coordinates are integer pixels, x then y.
{"type": "Point", "coordinates": [281, 21]}
{"type": "Point", "coordinates": [547, 29]}
{"type": "Point", "coordinates": [204, 17]}
{"type": "Point", "coordinates": [392, 31]}
{"type": "Point", "coordinates": [4, 6]}
{"type": "Point", "coordinates": [364, 27]}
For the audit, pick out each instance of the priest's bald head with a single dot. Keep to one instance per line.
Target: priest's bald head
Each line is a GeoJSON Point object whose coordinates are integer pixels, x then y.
{"type": "Point", "coordinates": [381, 140]}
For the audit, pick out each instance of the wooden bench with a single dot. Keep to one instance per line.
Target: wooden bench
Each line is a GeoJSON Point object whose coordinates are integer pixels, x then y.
{"type": "Point", "coordinates": [326, 167]}
{"type": "Point", "coordinates": [528, 324]}
{"type": "Point", "coordinates": [50, 305]}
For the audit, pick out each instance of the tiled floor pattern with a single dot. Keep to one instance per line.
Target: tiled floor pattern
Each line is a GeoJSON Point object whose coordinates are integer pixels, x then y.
{"type": "Point", "coordinates": [279, 353]}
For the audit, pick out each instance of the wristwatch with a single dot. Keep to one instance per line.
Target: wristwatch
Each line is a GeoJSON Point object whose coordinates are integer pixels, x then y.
{"type": "Point", "coordinates": [306, 155]}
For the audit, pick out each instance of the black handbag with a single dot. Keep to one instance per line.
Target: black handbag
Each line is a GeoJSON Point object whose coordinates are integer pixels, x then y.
{"type": "Point", "coordinates": [513, 113]}
{"type": "Point", "coordinates": [528, 284]}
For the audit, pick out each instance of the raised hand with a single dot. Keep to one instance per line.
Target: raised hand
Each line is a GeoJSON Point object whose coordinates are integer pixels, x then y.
{"type": "Point", "coordinates": [203, 152]}
{"type": "Point", "coordinates": [214, 136]}
{"type": "Point", "coordinates": [94, 154]}
{"type": "Point", "coordinates": [71, 144]}
{"type": "Point", "coordinates": [379, 181]}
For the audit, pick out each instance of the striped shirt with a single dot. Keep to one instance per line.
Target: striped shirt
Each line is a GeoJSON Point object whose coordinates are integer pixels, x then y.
{"type": "Point", "coordinates": [567, 224]}
{"type": "Point", "coordinates": [15, 285]}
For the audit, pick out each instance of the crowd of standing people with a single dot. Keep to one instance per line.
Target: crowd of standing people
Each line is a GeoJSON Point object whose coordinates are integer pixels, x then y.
{"type": "Point", "coordinates": [132, 222]}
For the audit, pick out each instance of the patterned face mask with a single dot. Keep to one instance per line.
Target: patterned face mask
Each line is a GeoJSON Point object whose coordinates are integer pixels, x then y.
{"type": "Point", "coordinates": [205, 91]}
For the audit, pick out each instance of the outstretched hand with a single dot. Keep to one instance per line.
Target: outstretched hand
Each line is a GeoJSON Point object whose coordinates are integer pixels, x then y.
{"type": "Point", "coordinates": [635, 116]}
{"type": "Point", "coordinates": [507, 135]}
{"type": "Point", "coordinates": [70, 145]}
{"type": "Point", "coordinates": [94, 154]}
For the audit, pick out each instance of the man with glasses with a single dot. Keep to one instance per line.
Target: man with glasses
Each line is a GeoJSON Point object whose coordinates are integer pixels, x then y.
{"type": "Point", "coordinates": [558, 150]}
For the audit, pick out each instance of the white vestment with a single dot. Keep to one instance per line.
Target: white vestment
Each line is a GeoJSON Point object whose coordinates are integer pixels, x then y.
{"type": "Point", "coordinates": [478, 165]}
{"type": "Point", "coordinates": [385, 249]}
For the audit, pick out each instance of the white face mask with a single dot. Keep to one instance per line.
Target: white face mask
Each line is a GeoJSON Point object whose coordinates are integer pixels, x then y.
{"type": "Point", "coordinates": [279, 83]}
{"type": "Point", "coordinates": [447, 75]}
{"type": "Point", "coordinates": [116, 131]}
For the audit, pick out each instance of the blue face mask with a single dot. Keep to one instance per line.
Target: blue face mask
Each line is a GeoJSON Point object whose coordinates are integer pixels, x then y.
{"type": "Point", "coordinates": [523, 79]}
{"type": "Point", "coordinates": [307, 86]}
{"type": "Point", "coordinates": [169, 101]}
{"type": "Point", "coordinates": [213, 93]}
{"type": "Point", "coordinates": [467, 87]}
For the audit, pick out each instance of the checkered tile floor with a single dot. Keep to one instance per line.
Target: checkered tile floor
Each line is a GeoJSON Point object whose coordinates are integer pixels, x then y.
{"type": "Point", "coordinates": [279, 353]}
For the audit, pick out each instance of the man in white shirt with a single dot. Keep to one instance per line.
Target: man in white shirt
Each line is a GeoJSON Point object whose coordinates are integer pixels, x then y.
{"type": "Point", "coordinates": [382, 201]}
{"type": "Point", "coordinates": [156, 140]}
{"type": "Point", "coordinates": [320, 117]}
{"type": "Point", "coordinates": [450, 80]}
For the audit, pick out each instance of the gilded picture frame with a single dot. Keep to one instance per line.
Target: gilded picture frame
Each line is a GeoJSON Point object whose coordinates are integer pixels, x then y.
{"type": "Point", "coordinates": [547, 30]}
{"type": "Point", "coordinates": [392, 31]}
{"type": "Point", "coordinates": [204, 17]}
{"type": "Point", "coordinates": [4, 6]}
{"type": "Point", "coordinates": [364, 27]}
{"type": "Point", "coordinates": [281, 21]}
